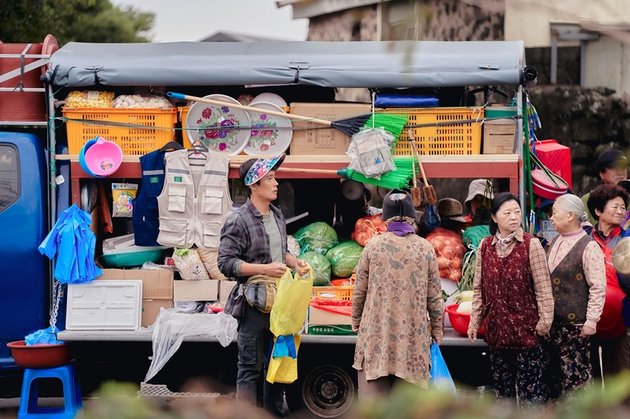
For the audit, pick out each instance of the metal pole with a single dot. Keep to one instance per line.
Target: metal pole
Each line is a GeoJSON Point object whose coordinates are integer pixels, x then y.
{"type": "Point", "coordinates": [519, 150]}
{"type": "Point", "coordinates": [52, 186]}
{"type": "Point", "coordinates": [553, 78]}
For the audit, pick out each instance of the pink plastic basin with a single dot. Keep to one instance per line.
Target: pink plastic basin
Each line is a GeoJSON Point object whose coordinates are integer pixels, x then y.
{"type": "Point", "coordinates": [103, 158]}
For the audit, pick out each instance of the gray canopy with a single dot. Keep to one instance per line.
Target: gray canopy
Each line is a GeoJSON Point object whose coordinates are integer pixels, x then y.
{"type": "Point", "coordinates": [327, 64]}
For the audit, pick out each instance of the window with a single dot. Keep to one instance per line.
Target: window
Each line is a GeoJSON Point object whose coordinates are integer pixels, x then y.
{"type": "Point", "coordinates": [9, 176]}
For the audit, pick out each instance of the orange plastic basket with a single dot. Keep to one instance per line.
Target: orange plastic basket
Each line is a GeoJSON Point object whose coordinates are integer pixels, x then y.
{"type": "Point", "coordinates": [334, 293]}
{"type": "Point", "coordinates": [148, 130]}
{"type": "Point", "coordinates": [183, 114]}
{"type": "Point", "coordinates": [460, 139]}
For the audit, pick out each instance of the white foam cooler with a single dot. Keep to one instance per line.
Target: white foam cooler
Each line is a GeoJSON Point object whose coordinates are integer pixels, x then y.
{"type": "Point", "coordinates": [104, 305]}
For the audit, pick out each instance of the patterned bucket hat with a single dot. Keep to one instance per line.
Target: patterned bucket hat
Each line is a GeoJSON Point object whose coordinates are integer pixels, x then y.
{"type": "Point", "coordinates": [261, 167]}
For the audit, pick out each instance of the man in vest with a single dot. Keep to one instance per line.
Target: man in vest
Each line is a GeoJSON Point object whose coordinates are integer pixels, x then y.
{"type": "Point", "coordinates": [254, 242]}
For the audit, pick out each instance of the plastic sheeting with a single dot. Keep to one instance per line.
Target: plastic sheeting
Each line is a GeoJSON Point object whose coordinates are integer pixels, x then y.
{"type": "Point", "coordinates": [171, 327]}
{"type": "Point", "coordinates": [326, 64]}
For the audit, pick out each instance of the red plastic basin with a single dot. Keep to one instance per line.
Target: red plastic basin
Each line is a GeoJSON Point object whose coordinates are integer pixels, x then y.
{"type": "Point", "coordinates": [460, 321]}
{"type": "Point", "coordinates": [40, 356]}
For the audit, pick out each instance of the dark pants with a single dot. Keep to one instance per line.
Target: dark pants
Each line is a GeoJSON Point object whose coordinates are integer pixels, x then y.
{"type": "Point", "coordinates": [381, 386]}
{"type": "Point", "coordinates": [254, 344]}
{"type": "Point", "coordinates": [567, 360]}
{"type": "Point", "coordinates": [518, 370]}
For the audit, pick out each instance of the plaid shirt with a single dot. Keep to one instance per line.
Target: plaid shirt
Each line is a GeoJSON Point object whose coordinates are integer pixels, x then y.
{"type": "Point", "coordinates": [244, 239]}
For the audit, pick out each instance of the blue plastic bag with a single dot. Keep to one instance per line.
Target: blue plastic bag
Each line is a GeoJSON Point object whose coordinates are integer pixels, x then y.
{"type": "Point", "coordinates": [43, 336]}
{"type": "Point", "coordinates": [440, 375]}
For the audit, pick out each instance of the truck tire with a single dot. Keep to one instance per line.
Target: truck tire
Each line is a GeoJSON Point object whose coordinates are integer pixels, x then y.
{"type": "Point", "coordinates": [325, 392]}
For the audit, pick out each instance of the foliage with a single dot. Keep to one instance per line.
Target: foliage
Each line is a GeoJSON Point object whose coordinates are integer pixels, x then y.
{"type": "Point", "coordinates": [408, 402]}
{"type": "Point", "coordinates": [24, 21]}
{"type": "Point", "coordinates": [119, 400]}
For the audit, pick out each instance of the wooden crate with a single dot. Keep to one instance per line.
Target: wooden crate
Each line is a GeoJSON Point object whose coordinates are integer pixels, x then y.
{"type": "Point", "coordinates": [499, 137]}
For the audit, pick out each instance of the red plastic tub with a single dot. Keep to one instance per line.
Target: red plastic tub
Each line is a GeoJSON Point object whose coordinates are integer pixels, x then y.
{"type": "Point", "coordinates": [460, 321]}
{"type": "Point", "coordinates": [40, 356]}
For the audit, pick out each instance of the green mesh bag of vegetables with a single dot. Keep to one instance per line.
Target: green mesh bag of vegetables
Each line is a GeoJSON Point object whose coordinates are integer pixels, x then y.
{"type": "Point", "coordinates": [474, 235]}
{"type": "Point", "coordinates": [344, 258]}
{"type": "Point", "coordinates": [321, 267]}
{"type": "Point", "coordinates": [317, 237]}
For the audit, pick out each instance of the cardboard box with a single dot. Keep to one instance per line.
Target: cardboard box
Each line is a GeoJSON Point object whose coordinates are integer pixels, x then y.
{"type": "Point", "coordinates": [225, 287]}
{"type": "Point", "coordinates": [151, 309]}
{"type": "Point", "coordinates": [203, 290]}
{"type": "Point", "coordinates": [499, 137]}
{"type": "Point", "coordinates": [157, 284]}
{"type": "Point", "coordinates": [317, 316]}
{"type": "Point", "coordinates": [331, 141]}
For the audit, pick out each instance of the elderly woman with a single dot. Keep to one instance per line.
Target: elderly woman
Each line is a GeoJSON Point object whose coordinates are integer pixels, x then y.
{"type": "Point", "coordinates": [512, 293]}
{"type": "Point", "coordinates": [397, 304]}
{"type": "Point", "coordinates": [607, 203]}
{"type": "Point", "coordinates": [578, 279]}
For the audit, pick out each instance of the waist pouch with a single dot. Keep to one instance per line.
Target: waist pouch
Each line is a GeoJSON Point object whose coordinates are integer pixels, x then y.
{"type": "Point", "coordinates": [260, 292]}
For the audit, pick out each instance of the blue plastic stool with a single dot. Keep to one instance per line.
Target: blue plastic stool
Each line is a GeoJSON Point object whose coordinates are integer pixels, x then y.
{"type": "Point", "coordinates": [30, 389]}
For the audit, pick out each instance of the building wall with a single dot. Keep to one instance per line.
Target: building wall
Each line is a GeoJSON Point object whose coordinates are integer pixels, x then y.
{"type": "Point", "coordinates": [528, 20]}
{"type": "Point", "coordinates": [434, 20]}
{"type": "Point", "coordinates": [443, 20]}
{"type": "Point", "coordinates": [358, 24]}
{"type": "Point", "coordinates": [607, 61]}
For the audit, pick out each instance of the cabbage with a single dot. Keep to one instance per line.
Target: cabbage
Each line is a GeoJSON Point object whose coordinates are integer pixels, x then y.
{"type": "Point", "coordinates": [321, 267]}
{"type": "Point", "coordinates": [344, 258]}
{"type": "Point", "coordinates": [317, 236]}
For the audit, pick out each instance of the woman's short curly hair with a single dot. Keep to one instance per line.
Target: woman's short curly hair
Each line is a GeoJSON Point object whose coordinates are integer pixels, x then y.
{"type": "Point", "coordinates": [599, 196]}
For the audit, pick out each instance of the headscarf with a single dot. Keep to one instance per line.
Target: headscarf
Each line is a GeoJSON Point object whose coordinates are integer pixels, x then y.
{"type": "Point", "coordinates": [571, 203]}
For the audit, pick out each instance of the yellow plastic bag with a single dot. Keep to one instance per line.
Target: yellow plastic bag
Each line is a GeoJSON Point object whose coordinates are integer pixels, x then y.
{"type": "Point", "coordinates": [289, 310]}
{"type": "Point", "coordinates": [284, 369]}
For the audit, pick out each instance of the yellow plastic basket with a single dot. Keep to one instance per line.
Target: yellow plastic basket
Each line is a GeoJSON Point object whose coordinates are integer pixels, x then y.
{"type": "Point", "coordinates": [460, 139]}
{"type": "Point", "coordinates": [334, 293]}
{"type": "Point", "coordinates": [148, 130]}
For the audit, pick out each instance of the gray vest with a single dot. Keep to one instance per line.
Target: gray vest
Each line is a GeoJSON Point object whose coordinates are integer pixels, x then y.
{"type": "Point", "coordinates": [195, 200]}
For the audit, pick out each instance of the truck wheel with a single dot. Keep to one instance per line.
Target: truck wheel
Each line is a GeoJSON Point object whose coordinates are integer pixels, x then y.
{"type": "Point", "coordinates": [326, 392]}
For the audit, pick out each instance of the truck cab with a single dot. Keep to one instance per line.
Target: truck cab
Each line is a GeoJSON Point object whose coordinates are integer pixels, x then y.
{"type": "Point", "coordinates": [23, 213]}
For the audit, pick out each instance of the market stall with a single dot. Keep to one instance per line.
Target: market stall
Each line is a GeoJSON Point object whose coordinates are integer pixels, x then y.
{"type": "Point", "coordinates": [302, 73]}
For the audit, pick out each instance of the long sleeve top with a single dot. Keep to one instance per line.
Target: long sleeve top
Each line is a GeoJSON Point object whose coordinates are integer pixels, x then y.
{"type": "Point", "coordinates": [540, 275]}
{"type": "Point", "coordinates": [594, 271]}
{"type": "Point", "coordinates": [397, 307]}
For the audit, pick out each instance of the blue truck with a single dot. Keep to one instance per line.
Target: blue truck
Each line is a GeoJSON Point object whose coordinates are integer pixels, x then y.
{"type": "Point", "coordinates": [24, 285]}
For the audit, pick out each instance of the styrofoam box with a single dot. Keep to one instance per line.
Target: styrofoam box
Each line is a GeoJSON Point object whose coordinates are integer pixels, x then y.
{"type": "Point", "coordinates": [104, 305]}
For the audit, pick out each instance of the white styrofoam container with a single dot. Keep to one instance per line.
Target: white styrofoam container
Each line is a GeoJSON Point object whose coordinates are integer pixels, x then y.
{"type": "Point", "coordinates": [104, 305]}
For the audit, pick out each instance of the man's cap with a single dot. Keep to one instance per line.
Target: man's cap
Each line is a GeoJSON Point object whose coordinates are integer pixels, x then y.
{"type": "Point", "coordinates": [253, 170]}
{"type": "Point", "coordinates": [610, 158]}
{"type": "Point", "coordinates": [450, 208]}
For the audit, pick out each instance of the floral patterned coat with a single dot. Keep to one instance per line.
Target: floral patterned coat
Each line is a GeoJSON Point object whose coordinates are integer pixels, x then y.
{"type": "Point", "coordinates": [397, 285]}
